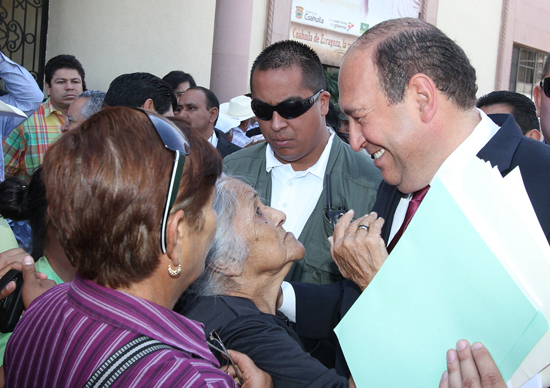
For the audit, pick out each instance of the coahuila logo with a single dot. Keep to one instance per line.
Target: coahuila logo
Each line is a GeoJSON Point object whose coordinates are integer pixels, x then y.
{"type": "Point", "coordinates": [299, 12]}
{"type": "Point", "coordinates": [316, 19]}
{"type": "Point", "coordinates": [350, 26]}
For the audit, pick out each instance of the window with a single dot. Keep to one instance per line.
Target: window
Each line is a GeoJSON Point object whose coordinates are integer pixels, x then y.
{"type": "Point", "coordinates": [526, 70]}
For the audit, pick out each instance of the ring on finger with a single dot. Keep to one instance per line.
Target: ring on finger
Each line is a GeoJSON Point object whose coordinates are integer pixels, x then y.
{"type": "Point", "coordinates": [364, 227]}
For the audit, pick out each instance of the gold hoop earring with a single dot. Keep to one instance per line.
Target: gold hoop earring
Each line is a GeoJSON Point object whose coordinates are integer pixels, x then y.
{"type": "Point", "coordinates": [174, 272]}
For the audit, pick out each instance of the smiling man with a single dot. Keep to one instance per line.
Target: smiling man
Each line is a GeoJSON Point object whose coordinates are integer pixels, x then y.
{"type": "Point", "coordinates": [290, 102]}
{"type": "Point", "coordinates": [410, 94]}
{"type": "Point", "coordinates": [26, 145]}
{"type": "Point", "coordinates": [409, 91]}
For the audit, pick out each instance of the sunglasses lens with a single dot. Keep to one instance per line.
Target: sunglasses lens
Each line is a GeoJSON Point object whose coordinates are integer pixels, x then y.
{"type": "Point", "coordinates": [287, 110]}
{"type": "Point", "coordinates": [171, 136]}
{"type": "Point", "coordinates": [546, 86]}
{"type": "Point", "coordinates": [262, 110]}
{"type": "Point", "coordinates": [292, 109]}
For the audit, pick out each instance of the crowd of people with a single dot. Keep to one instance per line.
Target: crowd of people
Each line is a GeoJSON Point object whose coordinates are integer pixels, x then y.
{"type": "Point", "coordinates": [166, 239]}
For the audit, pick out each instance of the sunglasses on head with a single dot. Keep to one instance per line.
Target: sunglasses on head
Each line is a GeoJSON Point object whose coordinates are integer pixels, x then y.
{"type": "Point", "coordinates": [286, 109]}
{"type": "Point", "coordinates": [175, 141]}
{"type": "Point", "coordinates": [217, 344]}
{"type": "Point", "coordinates": [545, 86]}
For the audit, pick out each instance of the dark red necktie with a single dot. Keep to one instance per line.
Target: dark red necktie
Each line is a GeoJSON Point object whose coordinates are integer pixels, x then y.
{"type": "Point", "coordinates": [417, 198]}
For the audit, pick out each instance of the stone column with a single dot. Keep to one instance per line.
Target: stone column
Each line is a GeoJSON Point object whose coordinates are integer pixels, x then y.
{"type": "Point", "coordinates": [231, 48]}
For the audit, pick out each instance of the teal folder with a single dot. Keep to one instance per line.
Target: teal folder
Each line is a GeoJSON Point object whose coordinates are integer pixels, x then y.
{"type": "Point", "coordinates": [441, 283]}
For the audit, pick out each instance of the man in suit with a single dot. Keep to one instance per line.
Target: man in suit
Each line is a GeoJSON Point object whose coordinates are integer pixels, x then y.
{"type": "Point", "coordinates": [409, 92]}
{"type": "Point", "coordinates": [200, 107]}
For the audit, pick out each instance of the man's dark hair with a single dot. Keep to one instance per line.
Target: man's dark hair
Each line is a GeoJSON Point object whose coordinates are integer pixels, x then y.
{"type": "Point", "coordinates": [404, 47]}
{"type": "Point", "coordinates": [288, 53]}
{"type": "Point", "coordinates": [176, 77]}
{"type": "Point", "coordinates": [211, 99]}
{"type": "Point", "coordinates": [63, 61]}
{"type": "Point", "coordinates": [546, 68]}
{"type": "Point", "coordinates": [523, 109]}
{"type": "Point", "coordinates": [132, 90]}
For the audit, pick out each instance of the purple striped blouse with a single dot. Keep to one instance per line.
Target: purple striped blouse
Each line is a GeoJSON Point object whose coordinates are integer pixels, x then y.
{"type": "Point", "coordinates": [69, 331]}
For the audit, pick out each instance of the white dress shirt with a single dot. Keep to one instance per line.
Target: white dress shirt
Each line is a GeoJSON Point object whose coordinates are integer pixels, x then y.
{"type": "Point", "coordinates": [454, 164]}
{"type": "Point", "coordinates": [213, 139]}
{"type": "Point", "coordinates": [296, 192]}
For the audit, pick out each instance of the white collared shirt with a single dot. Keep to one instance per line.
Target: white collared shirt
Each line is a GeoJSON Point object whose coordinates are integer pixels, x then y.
{"type": "Point", "coordinates": [454, 164]}
{"type": "Point", "coordinates": [296, 192]}
{"type": "Point", "coordinates": [213, 139]}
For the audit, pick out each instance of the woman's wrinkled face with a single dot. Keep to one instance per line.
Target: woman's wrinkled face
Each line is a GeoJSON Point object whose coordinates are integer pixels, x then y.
{"type": "Point", "coordinates": [270, 246]}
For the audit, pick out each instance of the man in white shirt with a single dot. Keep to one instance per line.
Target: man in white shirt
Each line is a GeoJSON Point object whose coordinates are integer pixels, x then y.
{"type": "Point", "coordinates": [289, 171]}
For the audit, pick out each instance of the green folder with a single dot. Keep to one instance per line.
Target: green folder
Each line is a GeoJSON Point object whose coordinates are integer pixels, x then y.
{"type": "Point", "coordinates": [441, 283]}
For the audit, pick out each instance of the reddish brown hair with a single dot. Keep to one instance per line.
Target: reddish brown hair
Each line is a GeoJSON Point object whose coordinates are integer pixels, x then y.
{"type": "Point", "coordinates": [107, 183]}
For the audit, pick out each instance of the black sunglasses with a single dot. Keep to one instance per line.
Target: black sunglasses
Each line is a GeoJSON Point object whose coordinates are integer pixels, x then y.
{"type": "Point", "coordinates": [286, 109]}
{"type": "Point", "coordinates": [545, 85]}
{"type": "Point", "coordinates": [215, 342]}
{"type": "Point", "coordinates": [175, 141]}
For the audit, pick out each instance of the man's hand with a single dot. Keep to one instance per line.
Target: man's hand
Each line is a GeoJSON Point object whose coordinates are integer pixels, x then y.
{"type": "Point", "coordinates": [471, 367]}
{"type": "Point", "coordinates": [252, 376]}
{"type": "Point", "coordinates": [358, 253]}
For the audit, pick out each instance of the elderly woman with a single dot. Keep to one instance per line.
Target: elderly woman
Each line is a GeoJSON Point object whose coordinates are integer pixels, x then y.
{"type": "Point", "coordinates": [131, 199]}
{"type": "Point", "coordinates": [247, 263]}
{"type": "Point", "coordinates": [236, 296]}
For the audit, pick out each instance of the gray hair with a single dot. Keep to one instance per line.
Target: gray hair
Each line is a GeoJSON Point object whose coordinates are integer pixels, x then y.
{"type": "Point", "coordinates": [229, 249]}
{"type": "Point", "coordinates": [94, 104]}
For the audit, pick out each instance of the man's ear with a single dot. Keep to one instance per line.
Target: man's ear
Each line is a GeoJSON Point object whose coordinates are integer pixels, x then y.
{"type": "Point", "coordinates": [149, 105]}
{"type": "Point", "coordinates": [534, 134]}
{"type": "Point", "coordinates": [422, 92]}
{"type": "Point", "coordinates": [537, 96]}
{"type": "Point", "coordinates": [324, 97]}
{"type": "Point", "coordinates": [48, 88]}
{"type": "Point", "coordinates": [213, 115]}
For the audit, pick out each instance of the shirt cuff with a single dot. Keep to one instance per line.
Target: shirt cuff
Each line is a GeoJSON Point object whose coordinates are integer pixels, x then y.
{"type": "Point", "coordinates": [288, 307]}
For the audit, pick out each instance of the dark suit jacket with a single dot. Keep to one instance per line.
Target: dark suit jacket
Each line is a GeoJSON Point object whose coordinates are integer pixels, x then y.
{"type": "Point", "coordinates": [269, 340]}
{"type": "Point", "coordinates": [319, 308]}
{"type": "Point", "coordinates": [225, 147]}
{"type": "Point", "coordinates": [507, 150]}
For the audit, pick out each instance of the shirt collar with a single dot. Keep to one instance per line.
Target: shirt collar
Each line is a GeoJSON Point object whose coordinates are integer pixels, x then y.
{"type": "Point", "coordinates": [213, 139]}
{"type": "Point", "coordinates": [50, 109]}
{"type": "Point", "coordinates": [457, 161]}
{"type": "Point", "coordinates": [318, 169]}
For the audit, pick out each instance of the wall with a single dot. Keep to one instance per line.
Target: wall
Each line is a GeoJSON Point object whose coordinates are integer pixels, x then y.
{"type": "Point", "coordinates": [475, 26]}
{"type": "Point", "coordinates": [257, 37]}
{"type": "Point", "coordinates": [123, 36]}
{"type": "Point", "coordinates": [532, 26]}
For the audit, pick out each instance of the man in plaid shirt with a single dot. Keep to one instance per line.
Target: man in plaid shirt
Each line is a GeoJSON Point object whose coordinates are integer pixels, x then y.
{"type": "Point", "coordinates": [24, 148]}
